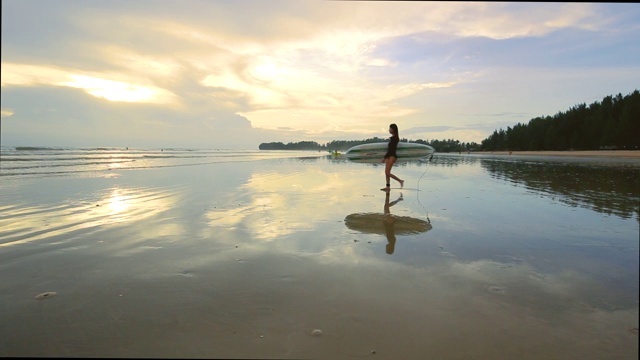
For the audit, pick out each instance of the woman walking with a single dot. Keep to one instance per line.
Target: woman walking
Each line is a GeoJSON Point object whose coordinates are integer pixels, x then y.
{"type": "Point", "coordinates": [390, 157]}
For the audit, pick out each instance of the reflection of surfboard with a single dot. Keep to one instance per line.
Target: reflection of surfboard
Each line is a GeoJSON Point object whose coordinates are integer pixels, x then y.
{"type": "Point", "coordinates": [377, 223]}
{"type": "Point", "coordinates": [374, 152]}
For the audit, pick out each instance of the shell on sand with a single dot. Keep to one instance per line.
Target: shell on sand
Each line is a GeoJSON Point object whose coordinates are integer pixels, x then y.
{"type": "Point", "coordinates": [45, 295]}
{"type": "Point", "coordinates": [494, 289]}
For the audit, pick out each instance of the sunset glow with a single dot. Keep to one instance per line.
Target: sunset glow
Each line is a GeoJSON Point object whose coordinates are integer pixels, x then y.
{"type": "Point", "coordinates": [319, 71]}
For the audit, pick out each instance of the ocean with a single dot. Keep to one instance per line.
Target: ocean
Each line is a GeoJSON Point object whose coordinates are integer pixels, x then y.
{"type": "Point", "coordinates": [30, 161]}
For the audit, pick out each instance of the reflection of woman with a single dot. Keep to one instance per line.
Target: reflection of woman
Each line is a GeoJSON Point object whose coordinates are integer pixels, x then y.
{"type": "Point", "coordinates": [389, 224]}
{"type": "Point", "coordinates": [390, 157]}
{"type": "Point", "coordinates": [388, 205]}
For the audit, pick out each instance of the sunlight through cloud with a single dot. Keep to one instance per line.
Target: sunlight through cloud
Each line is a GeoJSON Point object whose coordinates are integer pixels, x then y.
{"type": "Point", "coordinates": [34, 75]}
{"type": "Point", "coordinates": [114, 90]}
{"type": "Point", "coordinates": [317, 68]}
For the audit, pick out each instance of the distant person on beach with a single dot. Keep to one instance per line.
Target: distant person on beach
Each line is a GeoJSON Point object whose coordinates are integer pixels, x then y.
{"type": "Point", "coordinates": [390, 157]}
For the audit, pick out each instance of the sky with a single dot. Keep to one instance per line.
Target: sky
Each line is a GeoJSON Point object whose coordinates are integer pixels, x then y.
{"type": "Point", "coordinates": [229, 74]}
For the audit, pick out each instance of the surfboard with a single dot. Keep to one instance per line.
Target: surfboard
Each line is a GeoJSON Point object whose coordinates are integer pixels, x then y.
{"type": "Point", "coordinates": [374, 152]}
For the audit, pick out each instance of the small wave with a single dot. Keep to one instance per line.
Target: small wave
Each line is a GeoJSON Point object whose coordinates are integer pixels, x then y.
{"type": "Point", "coordinates": [176, 156]}
{"type": "Point", "coordinates": [158, 156]}
{"type": "Point", "coordinates": [55, 148]}
{"type": "Point", "coordinates": [103, 149]}
{"type": "Point", "coordinates": [37, 148]}
{"type": "Point", "coordinates": [68, 158]}
{"type": "Point", "coordinates": [65, 161]}
{"type": "Point", "coordinates": [177, 149]}
{"type": "Point", "coordinates": [71, 165]}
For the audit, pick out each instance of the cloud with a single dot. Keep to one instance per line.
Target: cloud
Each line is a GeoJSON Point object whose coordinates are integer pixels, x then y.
{"type": "Point", "coordinates": [47, 115]}
{"type": "Point", "coordinates": [112, 90]}
{"type": "Point", "coordinates": [317, 68]}
{"type": "Point", "coordinates": [424, 129]}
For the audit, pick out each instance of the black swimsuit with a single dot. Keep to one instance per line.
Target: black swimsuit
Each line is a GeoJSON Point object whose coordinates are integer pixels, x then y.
{"type": "Point", "coordinates": [393, 145]}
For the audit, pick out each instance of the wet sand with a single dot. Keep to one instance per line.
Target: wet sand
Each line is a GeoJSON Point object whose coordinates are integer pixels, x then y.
{"type": "Point", "coordinates": [257, 260]}
{"type": "Point", "coordinates": [635, 154]}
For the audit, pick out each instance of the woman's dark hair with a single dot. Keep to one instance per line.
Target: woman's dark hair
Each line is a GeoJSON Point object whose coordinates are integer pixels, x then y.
{"type": "Point", "coordinates": [395, 128]}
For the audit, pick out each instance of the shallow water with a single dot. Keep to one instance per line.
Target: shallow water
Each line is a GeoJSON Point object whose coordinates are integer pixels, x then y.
{"type": "Point", "coordinates": [477, 257]}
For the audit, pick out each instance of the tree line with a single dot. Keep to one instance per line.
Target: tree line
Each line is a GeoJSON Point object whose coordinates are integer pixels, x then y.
{"type": "Point", "coordinates": [613, 123]}
{"type": "Point", "coordinates": [449, 145]}
{"type": "Point", "coordinates": [335, 145]}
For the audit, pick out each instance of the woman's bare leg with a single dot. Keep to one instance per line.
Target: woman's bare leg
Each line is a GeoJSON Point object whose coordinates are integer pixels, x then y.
{"type": "Point", "coordinates": [387, 173]}
{"type": "Point", "coordinates": [388, 164]}
{"type": "Point", "coordinates": [397, 179]}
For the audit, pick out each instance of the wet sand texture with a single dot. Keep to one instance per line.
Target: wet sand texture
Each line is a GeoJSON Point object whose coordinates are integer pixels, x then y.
{"type": "Point", "coordinates": [290, 259]}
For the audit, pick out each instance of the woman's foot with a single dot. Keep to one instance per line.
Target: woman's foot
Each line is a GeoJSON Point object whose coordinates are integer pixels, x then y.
{"type": "Point", "coordinates": [401, 183]}
{"type": "Point", "coordinates": [387, 189]}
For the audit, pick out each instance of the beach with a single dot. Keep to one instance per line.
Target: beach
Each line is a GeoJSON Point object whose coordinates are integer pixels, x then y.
{"type": "Point", "coordinates": [243, 255]}
{"type": "Point", "coordinates": [633, 154]}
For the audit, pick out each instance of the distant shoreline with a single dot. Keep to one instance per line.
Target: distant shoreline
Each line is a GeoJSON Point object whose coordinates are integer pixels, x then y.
{"type": "Point", "coordinates": [634, 154]}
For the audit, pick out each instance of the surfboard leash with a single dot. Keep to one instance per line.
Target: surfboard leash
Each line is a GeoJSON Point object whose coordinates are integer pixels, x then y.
{"type": "Point", "coordinates": [418, 192]}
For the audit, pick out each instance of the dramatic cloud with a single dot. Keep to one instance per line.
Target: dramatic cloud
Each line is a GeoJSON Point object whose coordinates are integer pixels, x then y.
{"type": "Point", "coordinates": [203, 72]}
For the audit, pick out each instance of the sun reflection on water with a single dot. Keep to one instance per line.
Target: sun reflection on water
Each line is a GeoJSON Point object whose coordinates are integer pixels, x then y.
{"type": "Point", "coordinates": [117, 206]}
{"type": "Point", "coordinates": [118, 203]}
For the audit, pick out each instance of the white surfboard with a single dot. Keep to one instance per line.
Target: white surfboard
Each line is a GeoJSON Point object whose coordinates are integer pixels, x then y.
{"type": "Point", "coordinates": [374, 152]}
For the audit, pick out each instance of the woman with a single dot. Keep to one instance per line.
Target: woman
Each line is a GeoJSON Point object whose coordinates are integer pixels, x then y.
{"type": "Point", "coordinates": [390, 157]}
